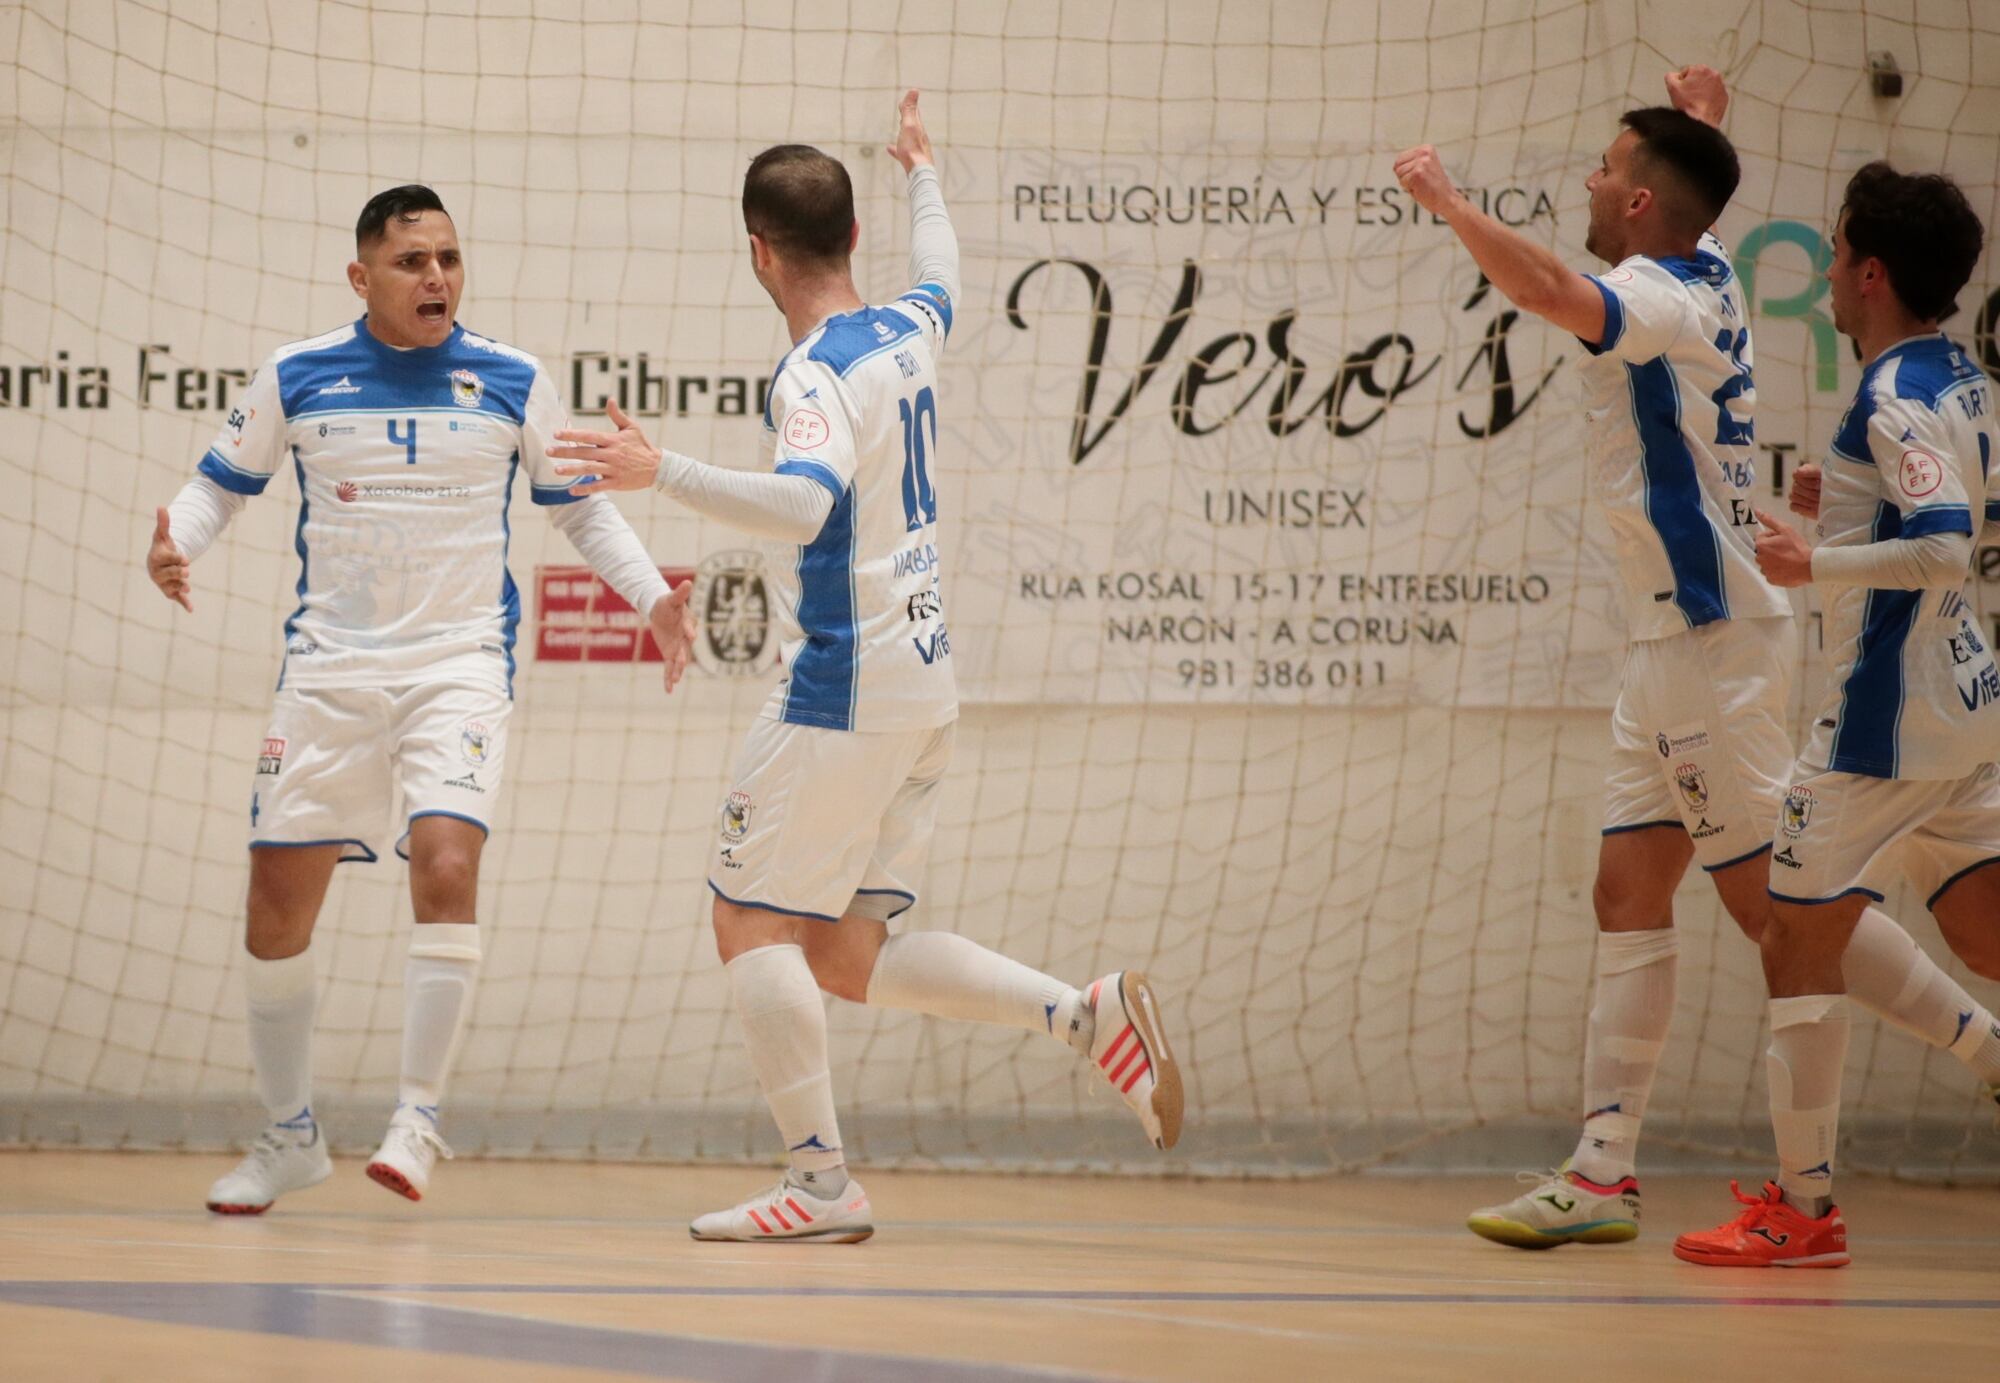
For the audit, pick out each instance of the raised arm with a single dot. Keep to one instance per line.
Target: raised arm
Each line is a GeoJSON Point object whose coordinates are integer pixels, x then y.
{"type": "Point", "coordinates": [933, 245]}
{"type": "Point", "coordinates": [1529, 275]}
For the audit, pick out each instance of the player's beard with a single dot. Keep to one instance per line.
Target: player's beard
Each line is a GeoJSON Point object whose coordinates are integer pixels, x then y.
{"type": "Point", "coordinates": [1598, 237]}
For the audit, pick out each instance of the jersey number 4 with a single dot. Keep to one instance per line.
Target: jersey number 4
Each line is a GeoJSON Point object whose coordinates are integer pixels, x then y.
{"type": "Point", "coordinates": [407, 442]}
{"type": "Point", "coordinates": [919, 498]}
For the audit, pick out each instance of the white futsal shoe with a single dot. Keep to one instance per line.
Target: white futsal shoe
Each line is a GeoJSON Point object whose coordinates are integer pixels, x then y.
{"type": "Point", "coordinates": [408, 1152]}
{"type": "Point", "coordinates": [288, 1156]}
{"type": "Point", "coordinates": [787, 1212]}
{"type": "Point", "coordinates": [1130, 1050]}
{"type": "Point", "coordinates": [1565, 1207]}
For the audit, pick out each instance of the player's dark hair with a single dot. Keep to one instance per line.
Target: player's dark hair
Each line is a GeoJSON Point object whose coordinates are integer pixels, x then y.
{"type": "Point", "coordinates": [1697, 156]}
{"type": "Point", "coordinates": [1923, 230]}
{"type": "Point", "coordinates": [405, 203]}
{"type": "Point", "coordinates": [801, 202]}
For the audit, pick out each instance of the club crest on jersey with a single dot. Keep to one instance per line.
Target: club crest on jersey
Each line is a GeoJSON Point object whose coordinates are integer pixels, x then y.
{"type": "Point", "coordinates": [736, 817]}
{"type": "Point", "coordinates": [1693, 784]}
{"type": "Point", "coordinates": [806, 429]}
{"type": "Point", "coordinates": [273, 756]}
{"type": "Point", "coordinates": [467, 388]}
{"type": "Point", "coordinates": [475, 742]}
{"type": "Point", "coordinates": [1797, 812]}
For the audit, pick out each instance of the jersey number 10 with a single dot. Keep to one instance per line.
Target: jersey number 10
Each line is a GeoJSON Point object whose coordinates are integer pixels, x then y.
{"type": "Point", "coordinates": [919, 498]}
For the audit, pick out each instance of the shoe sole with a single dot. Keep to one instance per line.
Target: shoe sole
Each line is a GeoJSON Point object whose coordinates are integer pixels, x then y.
{"type": "Point", "coordinates": [1721, 1260]}
{"type": "Point", "coordinates": [1516, 1235]}
{"type": "Point", "coordinates": [382, 1174]}
{"type": "Point", "coordinates": [852, 1234]}
{"type": "Point", "coordinates": [1169, 1101]}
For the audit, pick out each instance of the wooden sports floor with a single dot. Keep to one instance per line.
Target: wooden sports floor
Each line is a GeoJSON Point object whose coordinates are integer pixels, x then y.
{"type": "Point", "coordinates": [111, 1269]}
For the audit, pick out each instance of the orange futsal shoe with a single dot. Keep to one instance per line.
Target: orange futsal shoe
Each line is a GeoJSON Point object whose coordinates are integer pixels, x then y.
{"type": "Point", "coordinates": [1770, 1234]}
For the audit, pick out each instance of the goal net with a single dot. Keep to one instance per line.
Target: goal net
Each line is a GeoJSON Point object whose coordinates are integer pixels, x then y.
{"type": "Point", "coordinates": [1284, 627]}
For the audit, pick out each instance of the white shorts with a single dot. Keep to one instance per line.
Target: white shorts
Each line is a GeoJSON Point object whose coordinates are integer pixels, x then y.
{"type": "Point", "coordinates": [820, 823]}
{"type": "Point", "coordinates": [1699, 737]}
{"type": "Point", "coordinates": [1840, 834]}
{"type": "Point", "coordinates": [333, 758]}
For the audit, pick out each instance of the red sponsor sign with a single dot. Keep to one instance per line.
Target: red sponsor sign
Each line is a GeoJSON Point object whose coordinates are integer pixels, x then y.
{"type": "Point", "coordinates": [579, 619]}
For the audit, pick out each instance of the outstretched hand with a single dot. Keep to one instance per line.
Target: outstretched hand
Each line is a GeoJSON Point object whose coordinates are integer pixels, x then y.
{"type": "Point", "coordinates": [1698, 91]}
{"type": "Point", "coordinates": [673, 627]}
{"type": "Point", "coordinates": [1422, 175]}
{"type": "Point", "coordinates": [621, 460]}
{"type": "Point", "coordinates": [168, 566]}
{"type": "Point", "coordinates": [912, 147]}
{"type": "Point", "coordinates": [1782, 554]}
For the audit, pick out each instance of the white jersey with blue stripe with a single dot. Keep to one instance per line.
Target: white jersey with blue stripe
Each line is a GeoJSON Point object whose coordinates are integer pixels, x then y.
{"type": "Point", "coordinates": [1913, 691]}
{"type": "Point", "coordinates": [405, 462]}
{"type": "Point", "coordinates": [1668, 400]}
{"type": "Point", "coordinates": [861, 609]}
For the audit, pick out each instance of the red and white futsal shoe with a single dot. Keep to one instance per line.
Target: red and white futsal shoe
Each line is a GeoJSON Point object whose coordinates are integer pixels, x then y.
{"type": "Point", "coordinates": [1130, 1050]}
{"type": "Point", "coordinates": [787, 1212]}
{"type": "Point", "coordinates": [1769, 1234]}
{"type": "Point", "coordinates": [408, 1152]}
{"type": "Point", "coordinates": [287, 1156]}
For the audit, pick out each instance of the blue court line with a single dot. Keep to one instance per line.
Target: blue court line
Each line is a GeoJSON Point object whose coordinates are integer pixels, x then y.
{"type": "Point", "coordinates": [9, 1291]}
{"type": "Point", "coordinates": [326, 1311]}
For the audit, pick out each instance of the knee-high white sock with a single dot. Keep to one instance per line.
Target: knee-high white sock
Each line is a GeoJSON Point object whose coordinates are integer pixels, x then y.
{"type": "Point", "coordinates": [784, 1026]}
{"type": "Point", "coordinates": [1808, 1050]}
{"type": "Point", "coordinates": [948, 976]}
{"type": "Point", "coordinates": [1890, 975]}
{"type": "Point", "coordinates": [1629, 1017]}
{"type": "Point", "coordinates": [437, 996]}
{"type": "Point", "coordinates": [282, 995]}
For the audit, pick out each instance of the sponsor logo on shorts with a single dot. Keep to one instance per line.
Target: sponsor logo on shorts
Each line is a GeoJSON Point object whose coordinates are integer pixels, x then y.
{"type": "Point", "coordinates": [1784, 857]}
{"type": "Point", "coordinates": [475, 742]}
{"type": "Point", "coordinates": [736, 817]}
{"type": "Point", "coordinates": [1684, 740]}
{"type": "Point", "coordinates": [273, 756]}
{"type": "Point", "coordinates": [466, 388]}
{"type": "Point", "coordinates": [1704, 830]}
{"type": "Point", "coordinates": [469, 783]}
{"type": "Point", "coordinates": [302, 647]}
{"type": "Point", "coordinates": [729, 860]}
{"type": "Point", "coordinates": [1797, 812]}
{"type": "Point", "coordinates": [1693, 784]}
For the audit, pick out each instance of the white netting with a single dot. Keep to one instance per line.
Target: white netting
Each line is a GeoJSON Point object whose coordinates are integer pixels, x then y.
{"type": "Point", "coordinates": [1314, 734]}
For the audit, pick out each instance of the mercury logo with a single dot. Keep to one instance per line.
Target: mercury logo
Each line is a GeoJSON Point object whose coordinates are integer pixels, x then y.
{"type": "Point", "coordinates": [342, 386]}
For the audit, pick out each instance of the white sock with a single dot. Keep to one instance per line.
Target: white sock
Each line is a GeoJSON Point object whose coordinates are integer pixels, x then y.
{"type": "Point", "coordinates": [949, 976]}
{"type": "Point", "coordinates": [784, 1026]}
{"type": "Point", "coordinates": [281, 997]}
{"type": "Point", "coordinates": [437, 997]}
{"type": "Point", "coordinates": [1892, 976]}
{"type": "Point", "coordinates": [1808, 1050]}
{"type": "Point", "coordinates": [1629, 1017]}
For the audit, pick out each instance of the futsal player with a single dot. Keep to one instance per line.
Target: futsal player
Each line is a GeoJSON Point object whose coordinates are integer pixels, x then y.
{"type": "Point", "coordinates": [822, 836]}
{"type": "Point", "coordinates": [1902, 753]}
{"type": "Point", "coordinates": [405, 431]}
{"type": "Point", "coordinates": [1700, 748]}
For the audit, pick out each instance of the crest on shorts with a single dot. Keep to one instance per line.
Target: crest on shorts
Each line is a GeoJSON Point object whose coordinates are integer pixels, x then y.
{"type": "Point", "coordinates": [467, 388]}
{"type": "Point", "coordinates": [736, 817]}
{"type": "Point", "coordinates": [1693, 784]}
{"type": "Point", "coordinates": [474, 742]}
{"type": "Point", "coordinates": [1798, 811]}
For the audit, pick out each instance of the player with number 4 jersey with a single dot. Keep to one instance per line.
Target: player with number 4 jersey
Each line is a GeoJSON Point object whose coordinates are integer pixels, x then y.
{"type": "Point", "coordinates": [406, 433]}
{"type": "Point", "coordinates": [823, 832]}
